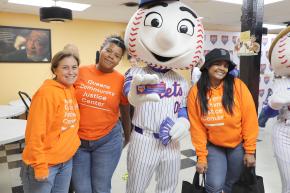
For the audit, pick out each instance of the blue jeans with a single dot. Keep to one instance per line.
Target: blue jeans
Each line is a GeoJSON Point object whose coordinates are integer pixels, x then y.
{"type": "Point", "coordinates": [95, 162]}
{"type": "Point", "coordinates": [57, 182]}
{"type": "Point", "coordinates": [224, 167]}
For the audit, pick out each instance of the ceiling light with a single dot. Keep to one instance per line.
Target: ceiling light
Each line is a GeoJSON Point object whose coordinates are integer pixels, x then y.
{"type": "Point", "coordinates": [43, 3]}
{"type": "Point", "coordinates": [73, 6]}
{"type": "Point", "coordinates": [48, 14]}
{"type": "Point", "coordinates": [271, 26]}
{"type": "Point", "coordinates": [49, 3]}
{"type": "Point", "coordinates": [240, 2]}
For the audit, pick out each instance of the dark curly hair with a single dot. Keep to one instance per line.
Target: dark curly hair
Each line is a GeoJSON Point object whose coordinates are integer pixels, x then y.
{"type": "Point", "coordinates": [115, 39]}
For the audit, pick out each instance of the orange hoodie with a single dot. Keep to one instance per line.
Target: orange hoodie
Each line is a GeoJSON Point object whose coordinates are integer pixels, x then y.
{"type": "Point", "coordinates": [219, 127]}
{"type": "Point", "coordinates": [52, 127]}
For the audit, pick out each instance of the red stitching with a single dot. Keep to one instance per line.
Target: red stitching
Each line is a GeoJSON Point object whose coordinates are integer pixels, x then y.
{"type": "Point", "coordinates": [134, 28]}
{"type": "Point", "coordinates": [198, 47]}
{"type": "Point", "coordinates": [282, 45]}
{"type": "Point", "coordinates": [136, 23]}
{"type": "Point", "coordinates": [133, 34]}
{"type": "Point", "coordinates": [280, 57]}
{"type": "Point", "coordinates": [140, 13]}
{"type": "Point", "coordinates": [199, 41]}
{"type": "Point", "coordinates": [200, 31]}
{"type": "Point", "coordinates": [198, 52]}
{"type": "Point", "coordinates": [132, 51]}
{"type": "Point", "coordinates": [280, 51]}
{"type": "Point", "coordinates": [132, 39]}
{"type": "Point", "coordinates": [196, 57]}
{"type": "Point", "coordinates": [137, 18]}
{"type": "Point", "coordinates": [285, 38]}
{"type": "Point", "coordinates": [284, 62]}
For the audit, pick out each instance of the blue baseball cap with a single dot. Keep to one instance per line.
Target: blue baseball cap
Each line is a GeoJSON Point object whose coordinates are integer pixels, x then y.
{"type": "Point", "coordinates": [145, 2]}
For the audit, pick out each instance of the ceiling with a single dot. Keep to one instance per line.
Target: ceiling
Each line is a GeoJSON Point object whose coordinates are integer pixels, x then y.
{"type": "Point", "coordinates": [217, 15]}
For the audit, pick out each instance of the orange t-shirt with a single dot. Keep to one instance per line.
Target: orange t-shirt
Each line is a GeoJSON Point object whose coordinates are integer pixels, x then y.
{"type": "Point", "coordinates": [99, 96]}
{"type": "Point", "coordinates": [218, 126]}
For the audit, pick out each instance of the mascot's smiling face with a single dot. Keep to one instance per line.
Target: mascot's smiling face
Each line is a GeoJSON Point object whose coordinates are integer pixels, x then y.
{"type": "Point", "coordinates": [165, 35]}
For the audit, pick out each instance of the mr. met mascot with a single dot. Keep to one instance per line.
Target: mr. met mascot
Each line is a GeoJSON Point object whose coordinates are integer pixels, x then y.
{"type": "Point", "coordinates": [165, 35]}
{"type": "Point", "coordinates": [279, 104]}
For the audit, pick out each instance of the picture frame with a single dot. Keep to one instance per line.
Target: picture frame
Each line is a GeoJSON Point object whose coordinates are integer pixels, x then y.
{"type": "Point", "coordinates": [24, 45]}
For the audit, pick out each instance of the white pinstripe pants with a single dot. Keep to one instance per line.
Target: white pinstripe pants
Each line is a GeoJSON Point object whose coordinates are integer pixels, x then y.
{"type": "Point", "coordinates": [147, 155]}
{"type": "Point", "coordinates": [281, 145]}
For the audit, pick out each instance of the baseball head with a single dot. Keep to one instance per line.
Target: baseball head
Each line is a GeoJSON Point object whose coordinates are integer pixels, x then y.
{"type": "Point", "coordinates": [279, 53]}
{"type": "Point", "coordinates": [165, 35]}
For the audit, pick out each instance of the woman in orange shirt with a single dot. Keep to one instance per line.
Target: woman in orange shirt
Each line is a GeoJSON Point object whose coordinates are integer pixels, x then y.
{"type": "Point", "coordinates": [224, 124]}
{"type": "Point", "coordinates": [51, 137]}
{"type": "Point", "coordinates": [100, 97]}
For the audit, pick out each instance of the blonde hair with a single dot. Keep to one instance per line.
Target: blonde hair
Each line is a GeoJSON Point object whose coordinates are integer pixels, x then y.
{"type": "Point", "coordinates": [72, 48]}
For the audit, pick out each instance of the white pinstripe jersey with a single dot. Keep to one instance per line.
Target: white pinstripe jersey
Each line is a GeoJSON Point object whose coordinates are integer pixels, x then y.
{"type": "Point", "coordinates": [149, 115]}
{"type": "Point", "coordinates": [282, 87]}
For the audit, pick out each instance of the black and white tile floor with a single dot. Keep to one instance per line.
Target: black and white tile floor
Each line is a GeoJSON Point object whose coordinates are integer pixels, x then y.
{"type": "Point", "coordinates": [10, 161]}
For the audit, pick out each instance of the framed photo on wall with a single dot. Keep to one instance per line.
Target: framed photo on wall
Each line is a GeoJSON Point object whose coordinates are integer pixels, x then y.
{"type": "Point", "coordinates": [27, 45]}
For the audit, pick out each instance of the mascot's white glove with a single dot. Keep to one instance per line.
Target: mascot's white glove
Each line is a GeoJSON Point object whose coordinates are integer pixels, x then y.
{"type": "Point", "coordinates": [137, 99]}
{"type": "Point", "coordinates": [180, 129]}
{"type": "Point", "coordinates": [277, 101]}
{"type": "Point", "coordinates": [170, 130]}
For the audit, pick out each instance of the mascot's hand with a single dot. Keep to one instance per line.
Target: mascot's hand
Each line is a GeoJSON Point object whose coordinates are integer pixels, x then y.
{"type": "Point", "coordinates": [180, 129]}
{"type": "Point", "coordinates": [266, 113]}
{"type": "Point", "coordinates": [280, 99]}
{"type": "Point", "coordinates": [138, 99]}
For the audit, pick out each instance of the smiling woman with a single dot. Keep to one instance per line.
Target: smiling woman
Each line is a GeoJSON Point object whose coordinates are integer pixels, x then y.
{"type": "Point", "coordinates": [224, 125]}
{"type": "Point", "coordinates": [65, 67]}
{"type": "Point", "coordinates": [100, 98]}
{"type": "Point", "coordinates": [51, 137]}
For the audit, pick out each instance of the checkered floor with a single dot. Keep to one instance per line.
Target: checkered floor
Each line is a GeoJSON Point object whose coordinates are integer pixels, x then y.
{"type": "Point", "coordinates": [10, 163]}
{"type": "Point", "coordinates": [188, 158]}
{"type": "Point", "coordinates": [266, 166]}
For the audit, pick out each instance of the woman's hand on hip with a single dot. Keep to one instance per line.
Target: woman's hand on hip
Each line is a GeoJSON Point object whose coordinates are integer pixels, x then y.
{"type": "Point", "coordinates": [201, 168]}
{"type": "Point", "coordinates": [249, 160]}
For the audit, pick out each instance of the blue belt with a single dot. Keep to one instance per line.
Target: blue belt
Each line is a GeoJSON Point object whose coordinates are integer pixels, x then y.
{"type": "Point", "coordinates": [139, 130]}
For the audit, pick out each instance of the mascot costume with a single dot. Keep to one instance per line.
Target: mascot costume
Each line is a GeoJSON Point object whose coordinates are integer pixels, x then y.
{"type": "Point", "coordinates": [279, 104]}
{"type": "Point", "coordinates": [165, 35]}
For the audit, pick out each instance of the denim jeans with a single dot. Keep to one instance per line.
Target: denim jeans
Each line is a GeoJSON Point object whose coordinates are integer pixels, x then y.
{"type": "Point", "coordinates": [57, 182]}
{"type": "Point", "coordinates": [95, 162]}
{"type": "Point", "coordinates": [224, 167]}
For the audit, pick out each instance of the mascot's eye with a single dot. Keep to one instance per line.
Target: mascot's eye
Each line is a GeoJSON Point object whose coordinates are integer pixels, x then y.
{"type": "Point", "coordinates": [153, 19]}
{"type": "Point", "coordinates": [155, 22]}
{"type": "Point", "coordinates": [185, 26]}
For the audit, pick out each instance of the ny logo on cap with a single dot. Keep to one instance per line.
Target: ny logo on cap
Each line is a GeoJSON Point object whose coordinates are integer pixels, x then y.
{"type": "Point", "coordinates": [223, 52]}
